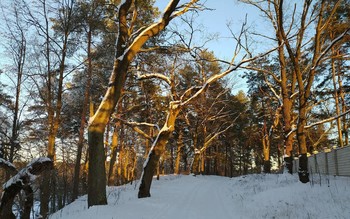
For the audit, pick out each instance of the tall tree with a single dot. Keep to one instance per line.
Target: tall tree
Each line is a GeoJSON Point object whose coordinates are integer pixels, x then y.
{"type": "Point", "coordinates": [91, 13]}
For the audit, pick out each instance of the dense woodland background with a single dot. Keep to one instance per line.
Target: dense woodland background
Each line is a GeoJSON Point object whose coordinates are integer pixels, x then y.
{"type": "Point", "coordinates": [60, 55]}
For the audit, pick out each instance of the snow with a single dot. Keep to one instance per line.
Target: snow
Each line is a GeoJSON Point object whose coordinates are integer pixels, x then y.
{"type": "Point", "coordinates": [208, 197]}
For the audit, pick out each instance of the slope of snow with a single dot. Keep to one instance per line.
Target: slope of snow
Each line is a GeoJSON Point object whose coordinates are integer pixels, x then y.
{"type": "Point", "coordinates": [208, 197]}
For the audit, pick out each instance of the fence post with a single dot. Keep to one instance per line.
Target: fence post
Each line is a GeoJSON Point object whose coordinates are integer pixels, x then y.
{"type": "Point", "coordinates": [326, 163]}
{"type": "Point", "coordinates": [316, 164]}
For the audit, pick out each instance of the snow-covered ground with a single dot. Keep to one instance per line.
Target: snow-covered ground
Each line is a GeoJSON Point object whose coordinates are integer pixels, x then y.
{"type": "Point", "coordinates": [213, 197]}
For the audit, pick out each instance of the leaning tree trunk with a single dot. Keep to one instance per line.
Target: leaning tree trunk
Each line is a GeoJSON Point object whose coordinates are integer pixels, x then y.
{"type": "Point", "coordinates": [157, 149]}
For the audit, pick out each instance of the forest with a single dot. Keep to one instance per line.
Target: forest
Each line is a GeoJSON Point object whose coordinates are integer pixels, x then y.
{"type": "Point", "coordinates": [97, 93]}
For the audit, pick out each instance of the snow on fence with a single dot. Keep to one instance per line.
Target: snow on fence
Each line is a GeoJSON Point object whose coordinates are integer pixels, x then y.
{"type": "Point", "coordinates": [335, 162]}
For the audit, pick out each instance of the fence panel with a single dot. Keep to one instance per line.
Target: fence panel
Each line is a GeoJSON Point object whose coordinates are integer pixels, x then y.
{"type": "Point", "coordinates": [343, 155]}
{"type": "Point", "coordinates": [312, 164]}
{"type": "Point", "coordinates": [332, 161]}
{"type": "Point", "coordinates": [321, 163]}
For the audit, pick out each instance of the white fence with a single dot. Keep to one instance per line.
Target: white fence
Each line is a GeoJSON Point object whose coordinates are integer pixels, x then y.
{"type": "Point", "coordinates": [336, 162]}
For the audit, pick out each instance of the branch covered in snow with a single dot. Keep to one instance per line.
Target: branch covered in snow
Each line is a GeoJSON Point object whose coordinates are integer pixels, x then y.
{"type": "Point", "coordinates": [154, 75]}
{"type": "Point", "coordinates": [8, 166]}
{"type": "Point", "coordinates": [22, 181]}
{"type": "Point", "coordinates": [34, 168]}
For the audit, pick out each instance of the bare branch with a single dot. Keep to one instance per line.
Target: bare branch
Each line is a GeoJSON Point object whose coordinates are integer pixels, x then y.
{"type": "Point", "coordinates": [320, 122]}
{"type": "Point", "coordinates": [329, 47]}
{"type": "Point", "coordinates": [216, 77]}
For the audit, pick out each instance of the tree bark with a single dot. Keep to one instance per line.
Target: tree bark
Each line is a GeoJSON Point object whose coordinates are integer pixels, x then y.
{"type": "Point", "coordinates": [28, 201]}
{"type": "Point", "coordinates": [97, 174]}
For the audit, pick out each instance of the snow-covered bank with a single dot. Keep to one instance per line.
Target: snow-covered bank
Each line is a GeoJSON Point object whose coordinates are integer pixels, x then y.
{"type": "Point", "coordinates": [208, 197]}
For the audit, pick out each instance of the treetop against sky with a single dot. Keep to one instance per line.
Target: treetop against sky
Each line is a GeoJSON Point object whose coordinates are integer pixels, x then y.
{"type": "Point", "coordinates": [214, 23]}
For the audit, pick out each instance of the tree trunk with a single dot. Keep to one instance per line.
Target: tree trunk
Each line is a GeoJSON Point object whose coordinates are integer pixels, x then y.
{"type": "Point", "coordinates": [303, 168]}
{"type": "Point", "coordinates": [180, 145]}
{"type": "Point", "coordinates": [77, 166]}
{"type": "Point", "coordinates": [97, 174]}
{"type": "Point", "coordinates": [120, 180]}
{"type": "Point", "coordinates": [28, 201]}
{"type": "Point", "coordinates": [195, 164]}
{"type": "Point", "coordinates": [22, 181]}
{"type": "Point", "coordinates": [266, 149]}
{"type": "Point", "coordinates": [303, 164]}
{"type": "Point", "coordinates": [157, 150]}
{"type": "Point", "coordinates": [343, 102]}
{"type": "Point", "coordinates": [114, 145]}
